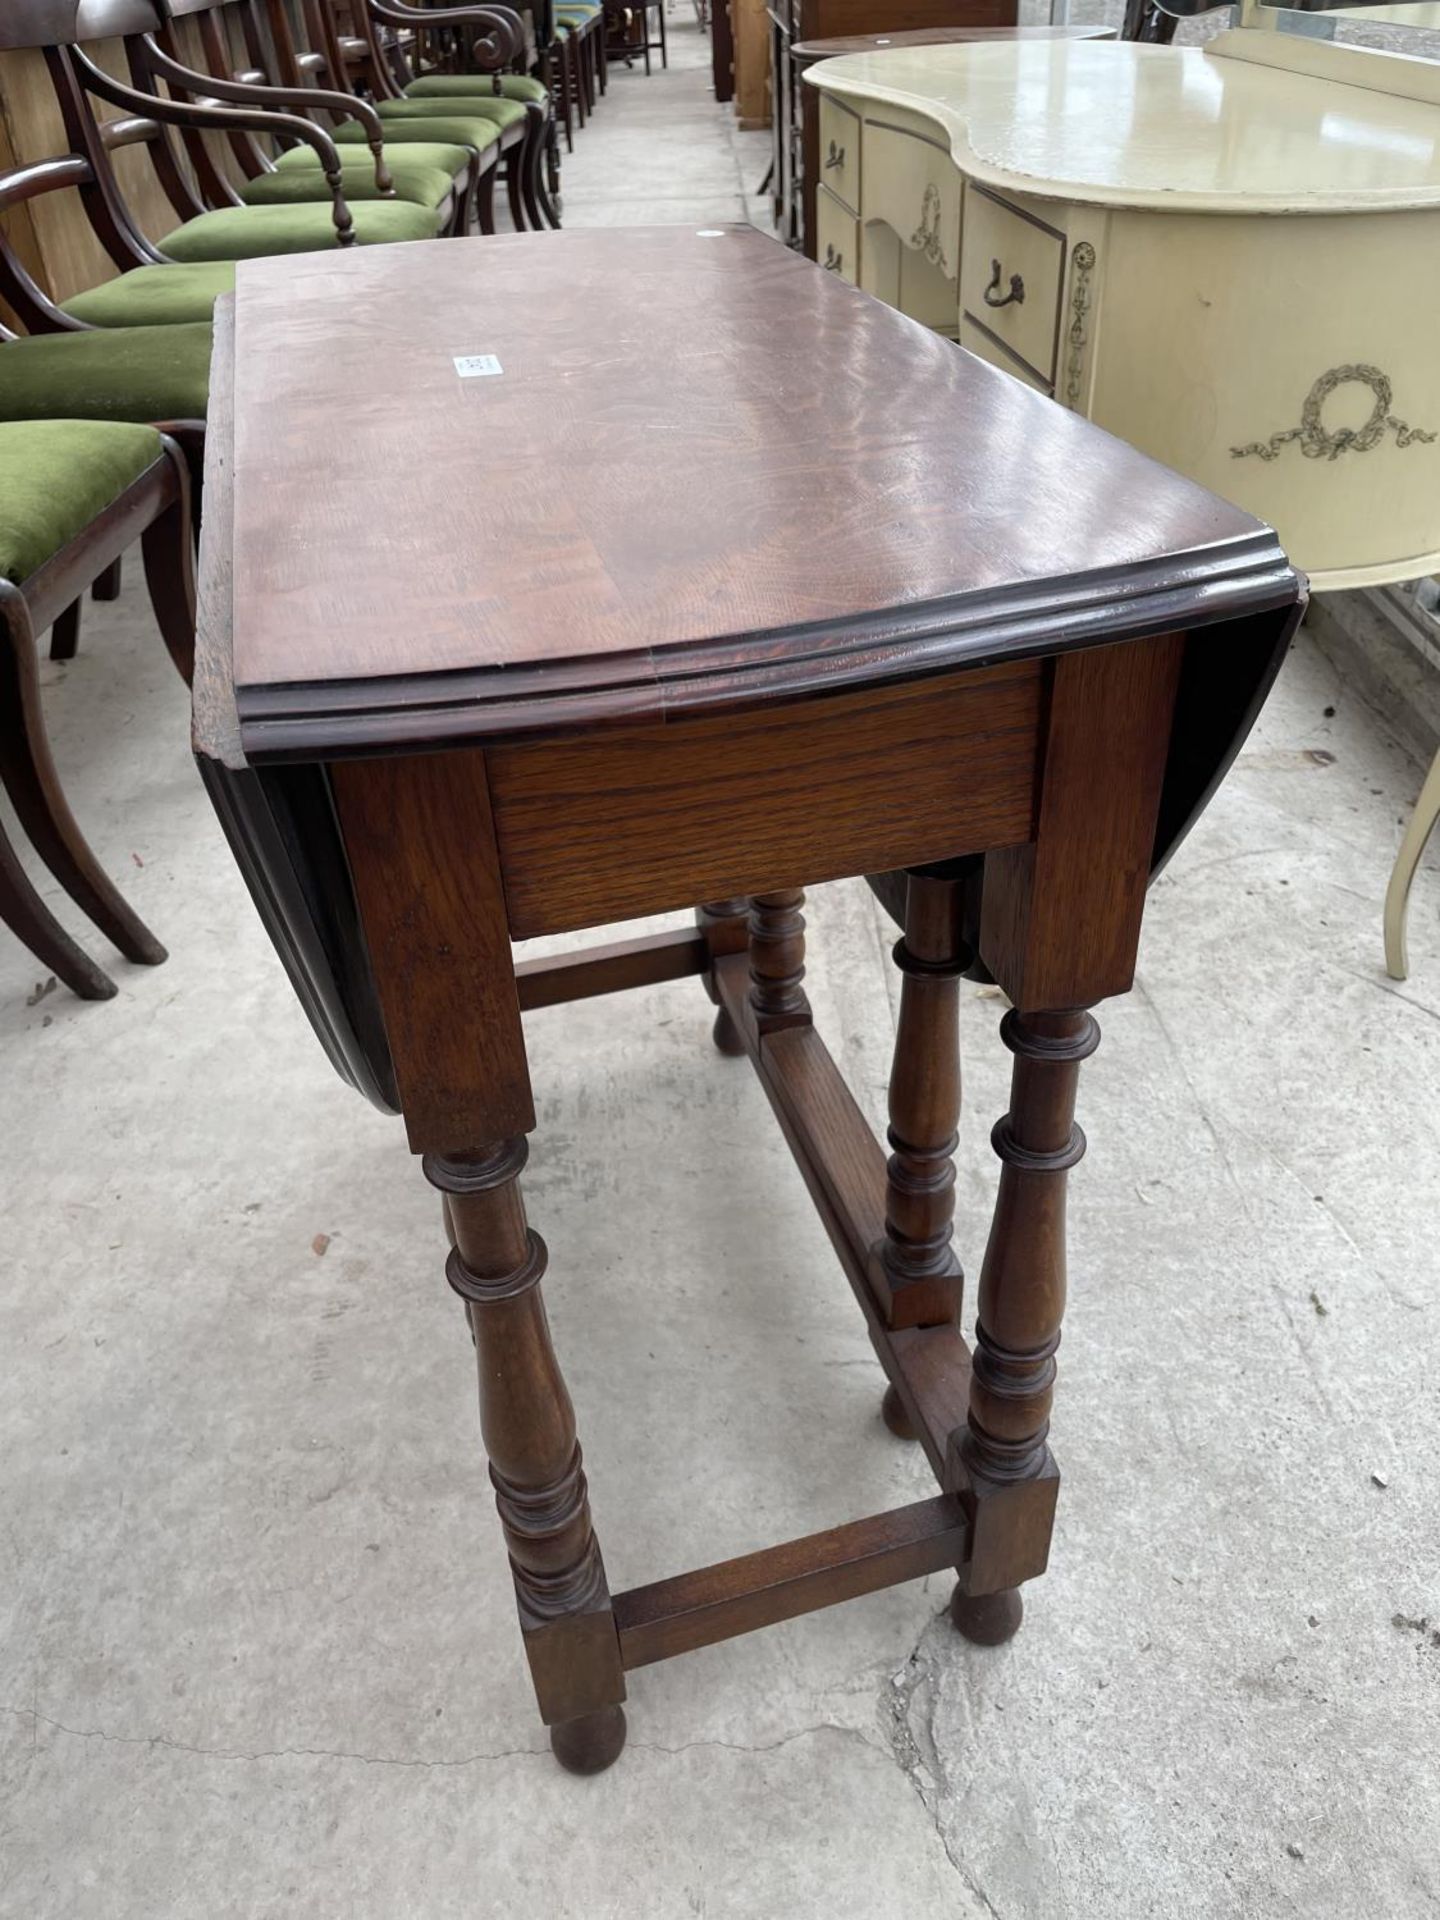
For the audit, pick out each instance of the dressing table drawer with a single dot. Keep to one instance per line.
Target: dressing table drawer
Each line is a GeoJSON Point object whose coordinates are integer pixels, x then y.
{"type": "Point", "coordinates": [836, 236]}
{"type": "Point", "coordinates": [911, 183]}
{"type": "Point", "coordinates": [840, 153]}
{"type": "Point", "coordinates": [975, 340]}
{"type": "Point", "coordinates": [1011, 272]}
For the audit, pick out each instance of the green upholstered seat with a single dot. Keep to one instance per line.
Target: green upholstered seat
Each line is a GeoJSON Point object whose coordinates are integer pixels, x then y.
{"type": "Point", "coordinates": [118, 373]}
{"type": "Point", "coordinates": [254, 233]}
{"type": "Point", "coordinates": [155, 296]}
{"type": "Point", "coordinates": [56, 476]}
{"type": "Point", "coordinates": [523, 87]}
{"type": "Point", "coordinates": [480, 86]}
{"type": "Point", "coordinates": [490, 106]}
{"type": "Point", "coordinates": [461, 130]}
{"type": "Point", "coordinates": [422, 174]}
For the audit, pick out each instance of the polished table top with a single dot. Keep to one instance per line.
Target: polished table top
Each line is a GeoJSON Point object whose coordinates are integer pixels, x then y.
{"type": "Point", "coordinates": [719, 524]}
{"type": "Point", "coordinates": [701, 457]}
{"type": "Point", "coordinates": [1113, 123]}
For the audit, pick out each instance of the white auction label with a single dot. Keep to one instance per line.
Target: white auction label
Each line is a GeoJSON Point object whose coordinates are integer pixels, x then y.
{"type": "Point", "coordinates": [470, 366]}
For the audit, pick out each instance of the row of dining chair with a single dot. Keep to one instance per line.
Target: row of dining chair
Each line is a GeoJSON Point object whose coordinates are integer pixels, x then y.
{"type": "Point", "coordinates": [310, 125]}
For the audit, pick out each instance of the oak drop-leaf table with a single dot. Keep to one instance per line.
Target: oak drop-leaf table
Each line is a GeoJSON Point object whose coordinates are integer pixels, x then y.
{"type": "Point", "coordinates": [554, 582]}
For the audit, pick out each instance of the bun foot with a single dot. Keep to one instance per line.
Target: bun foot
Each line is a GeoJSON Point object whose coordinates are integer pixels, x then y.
{"type": "Point", "coordinates": [892, 1412]}
{"type": "Point", "coordinates": [987, 1619]}
{"type": "Point", "coordinates": [725, 1037]}
{"type": "Point", "coordinates": [591, 1743]}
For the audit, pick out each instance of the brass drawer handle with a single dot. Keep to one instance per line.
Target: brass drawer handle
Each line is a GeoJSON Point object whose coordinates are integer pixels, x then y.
{"type": "Point", "coordinates": [836, 156]}
{"type": "Point", "coordinates": [993, 295]}
{"type": "Point", "coordinates": [832, 263]}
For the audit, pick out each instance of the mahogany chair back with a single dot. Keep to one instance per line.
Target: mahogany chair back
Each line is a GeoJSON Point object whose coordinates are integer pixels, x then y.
{"type": "Point", "coordinates": [253, 43]}
{"type": "Point", "coordinates": [45, 23]}
{"type": "Point", "coordinates": [162, 98]}
{"type": "Point", "coordinates": [379, 38]}
{"type": "Point", "coordinates": [377, 56]}
{"type": "Point", "coordinates": [61, 173]}
{"type": "Point", "coordinates": [36, 23]}
{"type": "Point", "coordinates": [53, 28]}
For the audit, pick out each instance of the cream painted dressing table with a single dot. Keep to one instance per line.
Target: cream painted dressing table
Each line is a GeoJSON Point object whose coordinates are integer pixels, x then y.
{"type": "Point", "coordinates": [1230, 257]}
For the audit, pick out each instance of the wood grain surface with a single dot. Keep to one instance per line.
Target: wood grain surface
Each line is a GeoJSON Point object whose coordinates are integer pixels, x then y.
{"type": "Point", "coordinates": [823, 18]}
{"type": "Point", "coordinates": [630, 820]}
{"type": "Point", "coordinates": [695, 437]}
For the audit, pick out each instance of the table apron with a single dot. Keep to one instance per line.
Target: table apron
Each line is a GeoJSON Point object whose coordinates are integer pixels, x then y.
{"type": "Point", "coordinates": [642, 819]}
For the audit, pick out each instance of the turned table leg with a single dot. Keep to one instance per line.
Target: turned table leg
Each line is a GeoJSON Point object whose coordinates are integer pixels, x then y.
{"type": "Point", "coordinates": [528, 1426]}
{"type": "Point", "coordinates": [726, 927]}
{"type": "Point", "coordinates": [919, 1277]}
{"type": "Point", "coordinates": [777, 960]}
{"type": "Point", "coordinates": [1003, 1462]}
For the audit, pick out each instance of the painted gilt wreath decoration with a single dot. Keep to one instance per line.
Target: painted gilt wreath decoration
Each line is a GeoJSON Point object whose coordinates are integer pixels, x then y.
{"type": "Point", "coordinates": [927, 235]}
{"type": "Point", "coordinates": [1317, 444]}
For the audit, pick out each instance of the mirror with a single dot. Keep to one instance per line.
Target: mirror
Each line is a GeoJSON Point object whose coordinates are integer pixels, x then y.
{"type": "Point", "coordinates": [1396, 26]}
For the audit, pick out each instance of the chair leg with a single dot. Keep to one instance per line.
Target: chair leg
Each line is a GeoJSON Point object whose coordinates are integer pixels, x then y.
{"type": "Point", "coordinates": [645, 32]}
{"type": "Point", "coordinates": [537, 206]}
{"type": "Point", "coordinates": [514, 176]}
{"type": "Point", "coordinates": [107, 585]}
{"type": "Point", "coordinates": [485, 201]}
{"type": "Point", "coordinates": [527, 1422]}
{"type": "Point", "coordinates": [458, 224]}
{"type": "Point", "coordinates": [30, 778]}
{"type": "Point", "coordinates": [565, 112]}
{"type": "Point", "coordinates": [169, 557]}
{"type": "Point", "coordinates": [33, 924]}
{"type": "Point", "coordinates": [470, 223]}
{"type": "Point", "coordinates": [552, 75]}
{"type": "Point", "coordinates": [664, 46]}
{"type": "Point", "coordinates": [65, 634]}
{"type": "Point", "coordinates": [1397, 894]}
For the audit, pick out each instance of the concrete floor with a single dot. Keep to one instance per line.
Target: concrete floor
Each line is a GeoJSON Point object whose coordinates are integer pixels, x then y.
{"type": "Point", "coordinates": [258, 1652]}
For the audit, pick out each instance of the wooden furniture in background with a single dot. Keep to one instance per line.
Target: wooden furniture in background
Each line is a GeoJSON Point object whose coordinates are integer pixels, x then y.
{"type": "Point", "coordinates": [750, 25]}
{"type": "Point", "coordinates": [634, 34]}
{"type": "Point", "coordinates": [927, 621]}
{"type": "Point", "coordinates": [1235, 273]}
{"type": "Point", "coordinates": [722, 51]}
{"type": "Point", "coordinates": [794, 168]}
{"type": "Point", "coordinates": [798, 163]}
{"type": "Point", "coordinates": [54, 236]}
